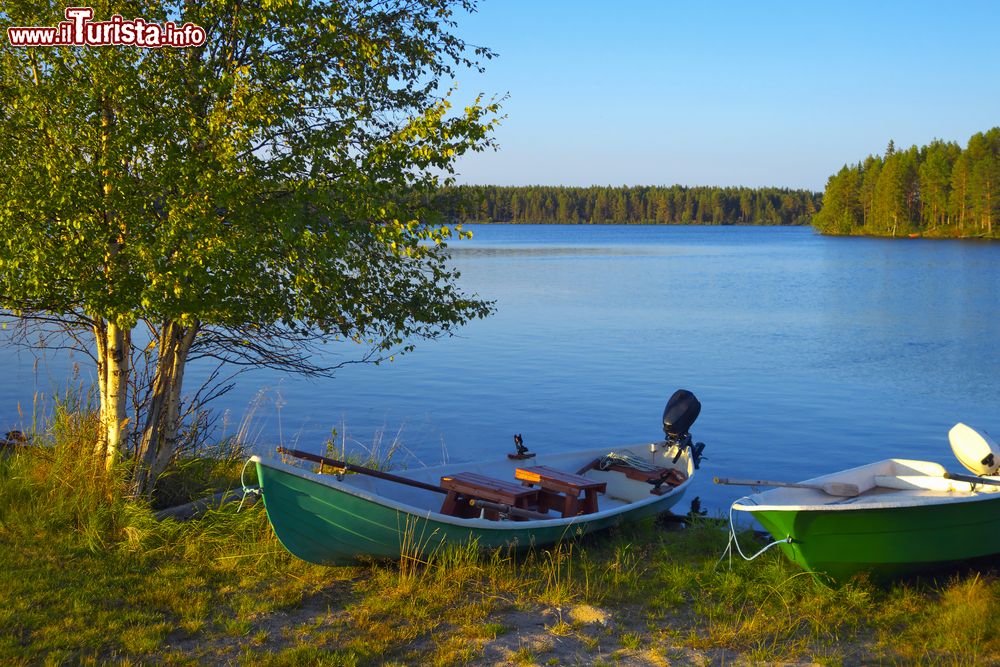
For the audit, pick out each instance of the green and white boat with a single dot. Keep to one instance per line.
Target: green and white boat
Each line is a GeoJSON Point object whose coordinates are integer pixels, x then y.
{"type": "Point", "coordinates": [890, 518]}
{"type": "Point", "coordinates": [328, 517]}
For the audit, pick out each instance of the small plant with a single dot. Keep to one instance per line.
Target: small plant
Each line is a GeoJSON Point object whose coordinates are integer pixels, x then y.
{"type": "Point", "coordinates": [559, 588]}
{"type": "Point", "coordinates": [625, 568]}
{"type": "Point", "coordinates": [494, 630]}
{"type": "Point", "coordinates": [420, 551]}
{"type": "Point", "coordinates": [523, 656]}
{"type": "Point", "coordinates": [560, 628]}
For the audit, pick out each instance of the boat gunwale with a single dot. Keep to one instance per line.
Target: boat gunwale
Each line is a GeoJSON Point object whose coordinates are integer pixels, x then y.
{"type": "Point", "coordinates": [331, 482]}
{"type": "Point", "coordinates": [915, 498]}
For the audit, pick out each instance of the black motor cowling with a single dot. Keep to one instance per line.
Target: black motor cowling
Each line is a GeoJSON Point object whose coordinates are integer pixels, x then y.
{"type": "Point", "coordinates": [681, 411]}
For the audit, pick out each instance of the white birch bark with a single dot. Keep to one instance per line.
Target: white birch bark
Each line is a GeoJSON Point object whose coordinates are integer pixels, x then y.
{"type": "Point", "coordinates": [114, 405]}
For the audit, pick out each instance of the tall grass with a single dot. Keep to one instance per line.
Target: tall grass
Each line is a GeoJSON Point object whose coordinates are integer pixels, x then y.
{"type": "Point", "coordinates": [378, 454]}
{"type": "Point", "coordinates": [208, 470]}
{"type": "Point", "coordinates": [87, 571]}
{"type": "Point", "coordinates": [58, 484]}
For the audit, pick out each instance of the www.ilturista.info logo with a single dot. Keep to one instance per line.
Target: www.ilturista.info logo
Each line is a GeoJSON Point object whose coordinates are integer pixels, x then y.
{"type": "Point", "coordinates": [79, 30]}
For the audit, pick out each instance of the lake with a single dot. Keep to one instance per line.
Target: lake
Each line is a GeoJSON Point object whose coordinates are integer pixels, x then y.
{"type": "Point", "coordinates": [809, 354]}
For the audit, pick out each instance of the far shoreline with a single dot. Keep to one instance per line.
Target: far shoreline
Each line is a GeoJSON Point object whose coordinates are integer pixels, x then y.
{"type": "Point", "coordinates": [925, 235]}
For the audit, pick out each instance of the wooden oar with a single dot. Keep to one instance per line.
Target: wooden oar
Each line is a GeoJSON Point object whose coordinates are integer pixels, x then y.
{"type": "Point", "coordinates": [829, 488]}
{"type": "Point", "coordinates": [972, 479]}
{"type": "Point", "coordinates": [507, 509]}
{"type": "Point", "coordinates": [361, 470]}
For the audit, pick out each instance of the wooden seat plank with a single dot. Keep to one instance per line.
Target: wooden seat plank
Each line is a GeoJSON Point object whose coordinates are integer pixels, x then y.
{"type": "Point", "coordinates": [559, 484]}
{"type": "Point", "coordinates": [559, 480]}
{"type": "Point", "coordinates": [464, 485]}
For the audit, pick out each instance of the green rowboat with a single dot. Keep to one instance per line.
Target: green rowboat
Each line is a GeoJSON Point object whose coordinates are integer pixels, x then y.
{"type": "Point", "coordinates": [901, 517]}
{"type": "Point", "coordinates": [333, 519]}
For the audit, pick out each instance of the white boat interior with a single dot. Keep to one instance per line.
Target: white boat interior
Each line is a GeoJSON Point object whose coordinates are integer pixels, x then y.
{"type": "Point", "coordinates": [884, 484]}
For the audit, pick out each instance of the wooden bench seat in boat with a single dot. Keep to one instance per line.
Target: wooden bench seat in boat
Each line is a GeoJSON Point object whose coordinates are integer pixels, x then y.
{"type": "Point", "coordinates": [464, 486]}
{"type": "Point", "coordinates": [562, 489]}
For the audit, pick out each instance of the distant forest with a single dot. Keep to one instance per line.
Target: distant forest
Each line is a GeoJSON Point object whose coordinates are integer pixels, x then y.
{"type": "Point", "coordinates": [673, 205]}
{"type": "Point", "coordinates": [935, 190]}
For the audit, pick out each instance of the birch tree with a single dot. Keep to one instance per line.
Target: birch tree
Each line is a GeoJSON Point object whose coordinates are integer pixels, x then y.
{"type": "Point", "coordinates": [240, 199]}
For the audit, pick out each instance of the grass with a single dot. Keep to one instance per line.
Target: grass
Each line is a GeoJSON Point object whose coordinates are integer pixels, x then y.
{"type": "Point", "coordinates": [87, 576]}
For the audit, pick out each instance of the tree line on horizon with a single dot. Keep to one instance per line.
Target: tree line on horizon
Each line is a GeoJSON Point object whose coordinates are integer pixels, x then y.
{"type": "Point", "coordinates": [666, 205]}
{"type": "Point", "coordinates": [934, 190]}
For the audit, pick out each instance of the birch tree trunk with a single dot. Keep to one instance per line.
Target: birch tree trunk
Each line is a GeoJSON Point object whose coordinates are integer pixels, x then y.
{"type": "Point", "coordinates": [113, 354]}
{"type": "Point", "coordinates": [170, 428]}
{"type": "Point", "coordinates": [101, 343]}
{"type": "Point", "coordinates": [160, 435]}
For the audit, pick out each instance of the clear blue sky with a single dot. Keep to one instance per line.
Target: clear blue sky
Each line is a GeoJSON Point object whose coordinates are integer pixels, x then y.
{"type": "Point", "coordinates": [654, 92]}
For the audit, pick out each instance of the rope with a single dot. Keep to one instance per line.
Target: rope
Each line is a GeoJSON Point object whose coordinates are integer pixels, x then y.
{"type": "Point", "coordinates": [630, 460]}
{"type": "Point", "coordinates": [247, 490]}
{"type": "Point", "coordinates": [733, 541]}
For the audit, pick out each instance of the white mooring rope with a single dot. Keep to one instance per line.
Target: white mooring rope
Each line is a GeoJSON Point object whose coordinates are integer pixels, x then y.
{"type": "Point", "coordinates": [733, 541]}
{"type": "Point", "coordinates": [247, 490]}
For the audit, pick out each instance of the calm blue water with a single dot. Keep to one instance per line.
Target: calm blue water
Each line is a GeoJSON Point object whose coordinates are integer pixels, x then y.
{"type": "Point", "coordinates": [809, 354]}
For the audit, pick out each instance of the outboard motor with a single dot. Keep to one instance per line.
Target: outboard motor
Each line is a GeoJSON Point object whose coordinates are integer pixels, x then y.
{"type": "Point", "coordinates": [680, 413]}
{"type": "Point", "coordinates": [975, 449]}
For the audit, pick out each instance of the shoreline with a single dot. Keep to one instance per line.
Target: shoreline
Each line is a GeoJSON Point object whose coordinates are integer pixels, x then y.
{"type": "Point", "coordinates": [932, 236]}
{"type": "Point", "coordinates": [91, 576]}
